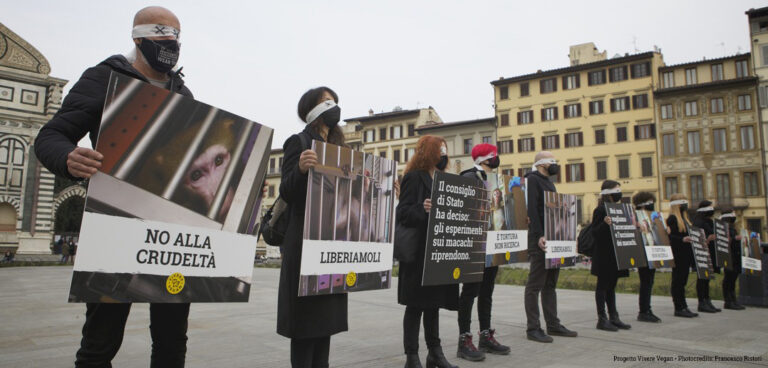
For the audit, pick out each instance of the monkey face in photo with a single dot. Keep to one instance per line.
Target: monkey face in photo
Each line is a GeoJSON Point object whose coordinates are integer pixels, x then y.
{"type": "Point", "coordinates": [204, 176]}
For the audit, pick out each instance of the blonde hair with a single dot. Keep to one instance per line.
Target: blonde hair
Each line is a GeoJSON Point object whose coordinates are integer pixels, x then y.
{"type": "Point", "coordinates": [681, 217]}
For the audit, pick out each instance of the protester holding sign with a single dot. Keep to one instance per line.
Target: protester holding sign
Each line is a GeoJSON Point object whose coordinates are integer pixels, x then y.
{"type": "Point", "coordinates": [703, 220]}
{"type": "Point", "coordinates": [644, 201]}
{"type": "Point", "coordinates": [732, 271]}
{"type": "Point", "coordinates": [604, 264]}
{"type": "Point", "coordinates": [540, 279]}
{"type": "Point", "coordinates": [486, 160]}
{"type": "Point", "coordinates": [155, 37]}
{"type": "Point", "coordinates": [308, 321]}
{"type": "Point", "coordinates": [678, 223]}
{"type": "Point", "coordinates": [413, 211]}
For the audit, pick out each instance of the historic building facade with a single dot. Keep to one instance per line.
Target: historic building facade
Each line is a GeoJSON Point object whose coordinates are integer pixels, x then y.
{"type": "Point", "coordinates": [709, 137]}
{"type": "Point", "coordinates": [460, 137]}
{"type": "Point", "coordinates": [29, 96]}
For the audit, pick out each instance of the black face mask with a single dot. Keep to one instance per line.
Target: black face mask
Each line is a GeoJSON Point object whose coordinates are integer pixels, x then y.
{"type": "Point", "coordinates": [649, 207]}
{"type": "Point", "coordinates": [553, 169]}
{"type": "Point", "coordinates": [161, 55]}
{"type": "Point", "coordinates": [494, 162]}
{"type": "Point", "coordinates": [708, 214]}
{"type": "Point", "coordinates": [443, 163]}
{"type": "Point", "coordinates": [683, 207]}
{"type": "Point", "coordinates": [615, 197]}
{"type": "Point", "coordinates": [331, 116]}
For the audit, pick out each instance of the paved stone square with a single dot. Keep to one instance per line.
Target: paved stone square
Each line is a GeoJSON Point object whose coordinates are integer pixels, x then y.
{"type": "Point", "coordinates": [38, 328]}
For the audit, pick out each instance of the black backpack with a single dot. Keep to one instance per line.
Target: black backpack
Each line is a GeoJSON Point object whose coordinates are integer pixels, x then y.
{"type": "Point", "coordinates": [274, 223]}
{"type": "Point", "coordinates": [585, 243]}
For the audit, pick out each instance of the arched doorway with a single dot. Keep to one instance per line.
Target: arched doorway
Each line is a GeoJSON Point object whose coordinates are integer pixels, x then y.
{"type": "Point", "coordinates": [69, 214]}
{"type": "Point", "coordinates": [7, 218]}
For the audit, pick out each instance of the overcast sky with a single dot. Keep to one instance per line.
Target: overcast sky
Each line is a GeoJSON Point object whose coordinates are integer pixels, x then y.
{"type": "Point", "coordinates": [256, 58]}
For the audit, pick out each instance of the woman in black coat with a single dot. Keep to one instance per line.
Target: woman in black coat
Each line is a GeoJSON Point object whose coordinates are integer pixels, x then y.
{"type": "Point", "coordinates": [604, 261]}
{"type": "Point", "coordinates": [730, 276]}
{"type": "Point", "coordinates": [413, 211]}
{"type": "Point", "coordinates": [677, 225]}
{"type": "Point", "coordinates": [703, 220]}
{"type": "Point", "coordinates": [309, 321]}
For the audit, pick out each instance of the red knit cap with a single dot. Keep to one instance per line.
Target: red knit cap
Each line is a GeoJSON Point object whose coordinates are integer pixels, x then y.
{"type": "Point", "coordinates": [482, 152]}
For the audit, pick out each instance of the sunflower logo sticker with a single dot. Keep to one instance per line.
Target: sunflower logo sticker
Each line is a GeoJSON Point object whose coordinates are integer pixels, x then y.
{"type": "Point", "coordinates": [506, 256]}
{"type": "Point", "coordinates": [175, 283]}
{"type": "Point", "coordinates": [351, 279]}
{"type": "Point", "coordinates": [631, 261]}
{"type": "Point", "coordinates": [456, 273]}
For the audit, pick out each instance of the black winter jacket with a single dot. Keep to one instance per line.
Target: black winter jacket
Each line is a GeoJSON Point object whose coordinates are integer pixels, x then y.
{"type": "Point", "coordinates": [80, 113]}
{"type": "Point", "coordinates": [604, 263]}
{"type": "Point", "coordinates": [682, 251]}
{"type": "Point", "coordinates": [535, 186]}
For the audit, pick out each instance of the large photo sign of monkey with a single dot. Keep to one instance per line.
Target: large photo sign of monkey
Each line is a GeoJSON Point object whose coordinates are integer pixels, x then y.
{"type": "Point", "coordinates": [171, 215]}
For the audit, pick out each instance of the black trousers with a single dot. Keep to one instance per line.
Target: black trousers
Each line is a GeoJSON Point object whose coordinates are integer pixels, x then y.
{"type": "Point", "coordinates": [310, 353]}
{"type": "Point", "coordinates": [105, 324]}
{"type": "Point", "coordinates": [677, 288]}
{"type": "Point", "coordinates": [605, 295]}
{"type": "Point", "coordinates": [729, 285]}
{"type": "Point", "coordinates": [646, 287]}
{"type": "Point", "coordinates": [702, 289]}
{"type": "Point", "coordinates": [541, 281]}
{"type": "Point", "coordinates": [411, 319]}
{"type": "Point", "coordinates": [483, 291]}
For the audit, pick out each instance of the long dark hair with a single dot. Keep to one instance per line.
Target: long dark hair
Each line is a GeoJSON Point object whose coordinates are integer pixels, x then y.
{"type": "Point", "coordinates": [608, 184]}
{"type": "Point", "coordinates": [307, 102]}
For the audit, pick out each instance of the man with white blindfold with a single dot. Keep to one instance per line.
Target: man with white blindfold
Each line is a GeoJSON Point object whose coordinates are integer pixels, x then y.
{"type": "Point", "coordinates": [155, 52]}
{"type": "Point", "coordinates": [541, 280]}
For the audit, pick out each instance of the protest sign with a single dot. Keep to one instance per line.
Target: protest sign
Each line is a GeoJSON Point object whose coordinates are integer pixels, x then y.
{"type": "Point", "coordinates": [627, 244]}
{"type": "Point", "coordinates": [560, 222]}
{"type": "Point", "coordinates": [508, 230]}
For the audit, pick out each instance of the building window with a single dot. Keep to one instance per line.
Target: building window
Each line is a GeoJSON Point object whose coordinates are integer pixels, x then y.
{"type": "Point", "coordinates": [383, 134]}
{"type": "Point", "coordinates": [697, 188]}
{"type": "Point", "coordinates": [690, 76]}
{"type": "Point", "coordinates": [619, 104]}
{"type": "Point", "coordinates": [525, 117]}
{"type": "Point", "coordinates": [396, 155]}
{"type": "Point", "coordinates": [723, 182]}
{"type": "Point", "coordinates": [720, 140]}
{"type": "Point", "coordinates": [763, 96]}
{"type": "Point", "coordinates": [550, 113]}
{"type": "Point", "coordinates": [574, 172]}
{"type": "Point", "coordinates": [621, 134]}
{"type": "Point", "coordinates": [468, 146]}
{"type": "Point", "coordinates": [508, 172]}
{"type": "Point", "coordinates": [383, 154]}
{"type": "Point", "coordinates": [670, 187]}
{"type": "Point", "coordinates": [370, 136]}
{"type": "Point", "coordinates": [526, 144]}
{"type": "Point", "coordinates": [596, 107]}
{"type": "Point", "coordinates": [694, 143]}
{"type": "Point", "coordinates": [272, 165]}
{"type": "Point", "coordinates": [716, 105]}
{"type": "Point", "coordinates": [573, 110]}
{"type": "Point", "coordinates": [602, 170]}
{"type": "Point", "coordinates": [523, 171]}
{"type": "Point", "coordinates": [618, 73]}
{"type": "Point", "coordinates": [271, 193]}
{"type": "Point", "coordinates": [667, 112]}
{"type": "Point", "coordinates": [668, 79]}
{"type": "Point", "coordinates": [411, 130]}
{"type": "Point", "coordinates": [717, 72]}
{"type": "Point", "coordinates": [668, 143]}
{"type": "Point", "coordinates": [744, 102]}
{"type": "Point", "coordinates": [751, 184]}
{"type": "Point", "coordinates": [645, 131]}
{"type": "Point", "coordinates": [280, 162]}
{"type": "Point", "coordinates": [503, 92]}
{"type": "Point", "coordinates": [505, 146]}
{"type": "Point", "coordinates": [641, 70]}
{"type": "Point", "coordinates": [691, 108]}
{"type": "Point", "coordinates": [646, 164]}
{"type": "Point", "coordinates": [571, 81]}
{"type": "Point", "coordinates": [487, 139]}
{"type": "Point", "coordinates": [548, 85]}
{"type": "Point", "coordinates": [524, 90]}
{"type": "Point", "coordinates": [596, 77]}
{"type": "Point", "coordinates": [755, 225]}
{"type": "Point", "coordinates": [550, 142]}
{"type": "Point", "coordinates": [747, 134]}
{"type": "Point", "coordinates": [640, 101]}
{"type": "Point", "coordinates": [504, 119]}
{"type": "Point", "coordinates": [599, 136]}
{"type": "Point", "coordinates": [741, 67]}
{"type": "Point", "coordinates": [623, 168]}
{"type": "Point", "coordinates": [409, 152]}
{"type": "Point", "coordinates": [574, 139]}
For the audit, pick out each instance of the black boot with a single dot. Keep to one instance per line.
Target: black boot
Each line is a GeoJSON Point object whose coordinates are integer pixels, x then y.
{"type": "Point", "coordinates": [705, 307]}
{"type": "Point", "coordinates": [436, 359]}
{"type": "Point", "coordinates": [538, 335]}
{"type": "Point", "coordinates": [467, 349]}
{"type": "Point", "coordinates": [605, 325]}
{"type": "Point", "coordinates": [648, 317]}
{"type": "Point", "coordinates": [685, 312]}
{"type": "Point", "coordinates": [412, 361]}
{"type": "Point", "coordinates": [489, 344]}
{"type": "Point", "coordinates": [618, 323]}
{"type": "Point", "coordinates": [709, 301]}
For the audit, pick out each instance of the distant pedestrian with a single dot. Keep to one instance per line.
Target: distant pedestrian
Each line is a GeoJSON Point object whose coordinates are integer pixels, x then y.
{"type": "Point", "coordinates": [64, 254]}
